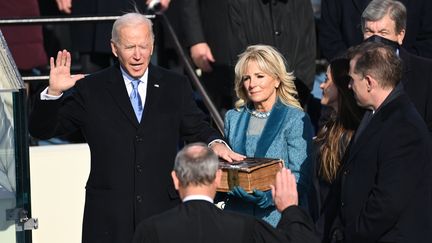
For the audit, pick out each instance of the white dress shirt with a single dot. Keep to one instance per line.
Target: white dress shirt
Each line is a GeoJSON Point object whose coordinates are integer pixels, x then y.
{"type": "Point", "coordinates": [198, 197]}
{"type": "Point", "coordinates": [142, 86]}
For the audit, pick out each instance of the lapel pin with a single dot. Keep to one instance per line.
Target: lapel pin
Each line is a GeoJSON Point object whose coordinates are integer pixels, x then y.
{"type": "Point", "coordinates": [156, 85]}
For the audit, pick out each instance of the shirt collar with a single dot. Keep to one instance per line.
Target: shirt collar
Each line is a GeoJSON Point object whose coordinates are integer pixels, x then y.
{"type": "Point", "coordinates": [198, 197]}
{"type": "Point", "coordinates": [128, 79]}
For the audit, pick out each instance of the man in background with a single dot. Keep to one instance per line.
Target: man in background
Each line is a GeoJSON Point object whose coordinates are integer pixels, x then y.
{"type": "Point", "coordinates": [385, 21]}
{"type": "Point", "coordinates": [340, 26]}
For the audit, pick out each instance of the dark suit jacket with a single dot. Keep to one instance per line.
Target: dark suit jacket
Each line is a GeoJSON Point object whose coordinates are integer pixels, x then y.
{"type": "Point", "coordinates": [200, 221]}
{"type": "Point", "coordinates": [417, 82]}
{"type": "Point", "coordinates": [130, 161]}
{"type": "Point", "coordinates": [340, 26]}
{"type": "Point", "coordinates": [386, 180]}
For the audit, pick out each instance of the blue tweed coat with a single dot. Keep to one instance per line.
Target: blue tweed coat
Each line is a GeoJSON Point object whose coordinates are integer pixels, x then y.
{"type": "Point", "coordinates": [287, 135]}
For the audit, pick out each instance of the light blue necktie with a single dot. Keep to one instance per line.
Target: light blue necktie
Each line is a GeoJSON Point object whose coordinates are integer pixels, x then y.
{"type": "Point", "coordinates": [136, 99]}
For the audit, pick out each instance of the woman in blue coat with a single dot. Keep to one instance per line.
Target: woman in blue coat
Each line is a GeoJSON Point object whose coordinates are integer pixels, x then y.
{"type": "Point", "coordinates": [268, 121]}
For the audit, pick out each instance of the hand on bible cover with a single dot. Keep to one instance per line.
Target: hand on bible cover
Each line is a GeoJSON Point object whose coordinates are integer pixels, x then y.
{"type": "Point", "coordinates": [224, 152]}
{"type": "Point", "coordinates": [260, 198]}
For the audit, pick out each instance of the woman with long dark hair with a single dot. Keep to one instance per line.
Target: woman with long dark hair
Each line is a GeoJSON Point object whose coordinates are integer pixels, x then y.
{"type": "Point", "coordinates": [333, 139]}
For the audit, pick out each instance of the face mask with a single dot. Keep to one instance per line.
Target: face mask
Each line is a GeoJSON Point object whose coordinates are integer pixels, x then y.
{"type": "Point", "coordinates": [375, 38]}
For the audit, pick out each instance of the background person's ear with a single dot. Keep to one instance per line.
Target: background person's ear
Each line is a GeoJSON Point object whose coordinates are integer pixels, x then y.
{"type": "Point", "coordinates": [175, 180]}
{"type": "Point", "coordinates": [401, 36]}
{"type": "Point", "coordinates": [218, 177]}
{"type": "Point", "coordinates": [370, 82]}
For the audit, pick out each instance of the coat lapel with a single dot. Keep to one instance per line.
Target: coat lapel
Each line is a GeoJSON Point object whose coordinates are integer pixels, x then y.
{"type": "Point", "coordinates": [241, 129]}
{"type": "Point", "coordinates": [363, 138]}
{"type": "Point", "coordinates": [153, 93]}
{"type": "Point", "coordinates": [375, 123]}
{"type": "Point", "coordinates": [405, 56]}
{"type": "Point", "coordinates": [118, 91]}
{"type": "Point", "coordinates": [271, 129]}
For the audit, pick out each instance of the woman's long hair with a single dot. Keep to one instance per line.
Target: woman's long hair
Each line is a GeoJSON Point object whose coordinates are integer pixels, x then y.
{"type": "Point", "coordinates": [334, 136]}
{"type": "Point", "coordinates": [271, 62]}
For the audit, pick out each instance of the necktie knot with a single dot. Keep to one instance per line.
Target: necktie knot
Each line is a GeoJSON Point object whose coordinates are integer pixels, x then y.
{"type": "Point", "coordinates": [136, 99]}
{"type": "Point", "coordinates": [135, 84]}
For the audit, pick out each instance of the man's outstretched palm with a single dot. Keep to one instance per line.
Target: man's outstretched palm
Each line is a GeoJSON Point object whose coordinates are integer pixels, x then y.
{"type": "Point", "coordinates": [60, 77]}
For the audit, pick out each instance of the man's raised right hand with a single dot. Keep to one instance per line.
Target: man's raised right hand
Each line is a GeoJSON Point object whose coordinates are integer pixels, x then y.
{"type": "Point", "coordinates": [60, 77]}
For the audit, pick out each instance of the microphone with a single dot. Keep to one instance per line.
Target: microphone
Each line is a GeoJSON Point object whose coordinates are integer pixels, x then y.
{"type": "Point", "coordinates": [155, 5]}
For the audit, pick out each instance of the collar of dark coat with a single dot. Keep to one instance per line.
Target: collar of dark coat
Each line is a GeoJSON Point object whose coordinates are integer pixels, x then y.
{"type": "Point", "coordinates": [116, 87]}
{"type": "Point", "coordinates": [406, 58]}
{"type": "Point", "coordinates": [154, 87]}
{"type": "Point", "coordinates": [119, 93]}
{"type": "Point", "coordinates": [154, 72]}
{"type": "Point", "coordinates": [154, 75]}
{"type": "Point", "coordinates": [389, 105]}
{"type": "Point", "coordinates": [396, 92]}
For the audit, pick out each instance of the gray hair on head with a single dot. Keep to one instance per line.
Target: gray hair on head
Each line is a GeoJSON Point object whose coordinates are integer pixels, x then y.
{"type": "Point", "coordinates": [377, 9]}
{"type": "Point", "coordinates": [196, 164]}
{"type": "Point", "coordinates": [130, 19]}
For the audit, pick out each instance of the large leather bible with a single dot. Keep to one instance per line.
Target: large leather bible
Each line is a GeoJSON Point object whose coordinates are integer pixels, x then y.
{"type": "Point", "coordinates": [251, 173]}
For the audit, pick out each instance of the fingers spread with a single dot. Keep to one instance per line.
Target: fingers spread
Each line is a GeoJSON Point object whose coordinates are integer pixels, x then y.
{"type": "Point", "coordinates": [68, 59]}
{"type": "Point", "coordinates": [64, 57]}
{"type": "Point", "coordinates": [58, 59]}
{"type": "Point", "coordinates": [52, 62]}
